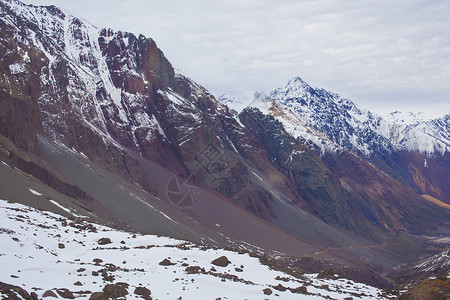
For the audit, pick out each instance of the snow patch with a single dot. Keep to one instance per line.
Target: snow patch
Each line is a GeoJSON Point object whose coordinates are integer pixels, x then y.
{"type": "Point", "coordinates": [35, 192]}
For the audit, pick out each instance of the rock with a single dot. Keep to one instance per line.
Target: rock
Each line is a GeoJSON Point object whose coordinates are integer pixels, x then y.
{"type": "Point", "coordinates": [104, 241]}
{"type": "Point", "coordinates": [194, 270]}
{"type": "Point", "coordinates": [49, 293]}
{"type": "Point", "coordinates": [78, 283]}
{"type": "Point", "coordinates": [65, 293]}
{"type": "Point", "coordinates": [10, 291]}
{"type": "Point", "coordinates": [97, 261]}
{"type": "Point", "coordinates": [299, 290]}
{"type": "Point", "coordinates": [94, 273]}
{"type": "Point", "coordinates": [221, 261]}
{"type": "Point", "coordinates": [98, 296]}
{"type": "Point", "coordinates": [238, 270]}
{"type": "Point", "coordinates": [34, 296]}
{"type": "Point", "coordinates": [144, 292]}
{"type": "Point", "coordinates": [280, 287]}
{"type": "Point", "coordinates": [166, 262]}
{"type": "Point", "coordinates": [81, 270]}
{"type": "Point", "coordinates": [115, 290]}
{"type": "Point", "coordinates": [61, 246]}
{"type": "Point", "coordinates": [435, 289]}
{"type": "Point", "coordinates": [267, 291]}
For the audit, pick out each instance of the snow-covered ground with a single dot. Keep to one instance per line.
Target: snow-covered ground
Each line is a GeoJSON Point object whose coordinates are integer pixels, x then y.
{"type": "Point", "coordinates": [43, 251]}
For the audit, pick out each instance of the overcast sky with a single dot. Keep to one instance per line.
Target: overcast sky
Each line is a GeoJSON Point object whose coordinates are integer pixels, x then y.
{"type": "Point", "coordinates": [383, 54]}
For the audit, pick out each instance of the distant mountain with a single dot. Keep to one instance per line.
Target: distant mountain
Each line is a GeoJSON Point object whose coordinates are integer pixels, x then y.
{"type": "Point", "coordinates": [352, 128]}
{"type": "Point", "coordinates": [401, 144]}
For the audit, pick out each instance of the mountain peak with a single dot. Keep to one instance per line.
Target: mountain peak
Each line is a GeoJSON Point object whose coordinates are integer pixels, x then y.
{"type": "Point", "coordinates": [295, 88]}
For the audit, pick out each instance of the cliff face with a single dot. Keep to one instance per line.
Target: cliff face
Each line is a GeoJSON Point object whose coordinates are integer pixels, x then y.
{"type": "Point", "coordinates": [115, 98]}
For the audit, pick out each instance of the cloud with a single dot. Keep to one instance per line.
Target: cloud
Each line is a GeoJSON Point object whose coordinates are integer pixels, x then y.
{"type": "Point", "coordinates": [379, 53]}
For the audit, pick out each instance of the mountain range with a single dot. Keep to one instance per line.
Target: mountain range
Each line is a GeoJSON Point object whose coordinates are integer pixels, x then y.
{"type": "Point", "coordinates": [100, 121]}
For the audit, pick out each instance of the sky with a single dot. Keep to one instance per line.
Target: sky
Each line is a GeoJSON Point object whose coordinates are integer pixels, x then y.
{"type": "Point", "coordinates": [384, 55]}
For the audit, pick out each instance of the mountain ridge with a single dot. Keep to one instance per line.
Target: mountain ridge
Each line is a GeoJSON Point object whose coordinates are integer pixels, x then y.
{"type": "Point", "coordinates": [102, 116]}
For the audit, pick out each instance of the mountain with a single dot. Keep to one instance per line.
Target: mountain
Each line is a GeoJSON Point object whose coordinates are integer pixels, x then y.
{"type": "Point", "coordinates": [407, 147]}
{"type": "Point", "coordinates": [99, 121]}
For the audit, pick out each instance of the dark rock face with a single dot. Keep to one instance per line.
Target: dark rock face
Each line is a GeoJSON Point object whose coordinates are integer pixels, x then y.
{"type": "Point", "coordinates": [319, 190]}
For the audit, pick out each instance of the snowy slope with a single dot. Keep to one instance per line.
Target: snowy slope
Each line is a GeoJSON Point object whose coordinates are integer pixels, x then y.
{"type": "Point", "coordinates": [101, 85]}
{"type": "Point", "coordinates": [328, 122]}
{"type": "Point", "coordinates": [43, 251]}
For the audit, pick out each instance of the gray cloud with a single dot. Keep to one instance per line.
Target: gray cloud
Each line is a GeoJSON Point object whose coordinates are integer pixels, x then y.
{"type": "Point", "coordinates": [384, 55]}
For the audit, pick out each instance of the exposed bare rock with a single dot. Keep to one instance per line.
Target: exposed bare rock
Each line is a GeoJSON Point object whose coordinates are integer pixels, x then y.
{"type": "Point", "coordinates": [104, 241]}
{"type": "Point", "coordinates": [166, 262]}
{"type": "Point", "coordinates": [49, 293]}
{"type": "Point", "coordinates": [267, 291]}
{"type": "Point", "coordinates": [13, 292]}
{"type": "Point", "coordinates": [144, 292]}
{"type": "Point", "coordinates": [115, 290]}
{"type": "Point", "coordinates": [65, 293]}
{"type": "Point", "coordinates": [429, 289]}
{"type": "Point", "coordinates": [98, 296]}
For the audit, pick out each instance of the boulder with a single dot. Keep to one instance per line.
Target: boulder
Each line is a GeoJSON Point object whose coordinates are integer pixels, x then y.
{"type": "Point", "coordinates": [221, 261]}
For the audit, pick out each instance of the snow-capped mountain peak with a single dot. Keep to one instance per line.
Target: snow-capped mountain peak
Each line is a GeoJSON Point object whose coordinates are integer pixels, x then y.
{"type": "Point", "coordinates": [295, 88]}
{"type": "Point", "coordinates": [329, 122]}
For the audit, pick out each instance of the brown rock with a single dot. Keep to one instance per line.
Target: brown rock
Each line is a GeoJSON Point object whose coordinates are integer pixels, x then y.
{"type": "Point", "coordinates": [65, 293]}
{"type": "Point", "coordinates": [104, 241]}
{"type": "Point", "coordinates": [267, 291]}
{"type": "Point", "coordinates": [280, 287]}
{"type": "Point", "coordinates": [49, 293]}
{"type": "Point", "coordinates": [115, 290]}
{"type": "Point", "coordinates": [97, 261]}
{"type": "Point", "coordinates": [10, 291]}
{"type": "Point", "coordinates": [78, 283]}
{"type": "Point", "coordinates": [221, 261]}
{"type": "Point", "coordinates": [98, 296]}
{"type": "Point", "coordinates": [166, 262]}
{"type": "Point", "coordinates": [299, 290]}
{"type": "Point", "coordinates": [194, 270]}
{"type": "Point", "coordinates": [61, 246]}
{"type": "Point", "coordinates": [144, 292]}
